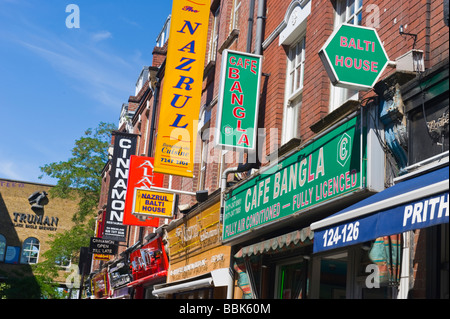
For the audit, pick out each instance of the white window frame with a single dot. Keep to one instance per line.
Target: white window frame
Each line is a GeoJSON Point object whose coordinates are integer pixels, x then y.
{"type": "Point", "coordinates": [294, 88]}
{"type": "Point", "coordinates": [28, 250]}
{"type": "Point", "coordinates": [345, 13]}
{"type": "Point", "coordinates": [214, 37]}
{"type": "Point", "coordinates": [235, 14]}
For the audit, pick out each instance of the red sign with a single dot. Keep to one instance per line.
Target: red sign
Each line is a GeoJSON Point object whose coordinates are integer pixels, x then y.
{"type": "Point", "coordinates": [150, 259]}
{"type": "Point", "coordinates": [141, 175]}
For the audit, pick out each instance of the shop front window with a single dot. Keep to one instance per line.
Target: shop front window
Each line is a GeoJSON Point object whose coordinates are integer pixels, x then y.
{"type": "Point", "coordinates": [372, 284]}
{"type": "Point", "coordinates": [333, 276]}
{"type": "Point", "coordinates": [291, 280]}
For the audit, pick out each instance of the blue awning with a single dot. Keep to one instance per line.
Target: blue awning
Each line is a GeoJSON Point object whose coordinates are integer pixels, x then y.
{"type": "Point", "coordinates": [412, 204]}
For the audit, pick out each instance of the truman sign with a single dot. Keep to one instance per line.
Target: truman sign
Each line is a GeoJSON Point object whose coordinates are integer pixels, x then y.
{"type": "Point", "coordinates": [354, 57]}
{"type": "Point", "coordinates": [327, 168]}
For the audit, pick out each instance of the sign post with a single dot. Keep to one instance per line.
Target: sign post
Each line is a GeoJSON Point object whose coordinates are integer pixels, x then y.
{"type": "Point", "coordinates": [237, 117]}
{"type": "Point", "coordinates": [354, 57]}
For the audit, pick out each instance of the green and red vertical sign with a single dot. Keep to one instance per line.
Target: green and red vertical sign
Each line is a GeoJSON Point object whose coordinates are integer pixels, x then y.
{"type": "Point", "coordinates": [238, 101]}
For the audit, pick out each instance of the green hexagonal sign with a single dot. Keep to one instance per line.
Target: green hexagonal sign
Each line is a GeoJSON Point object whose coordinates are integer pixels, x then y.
{"type": "Point", "coordinates": [354, 57]}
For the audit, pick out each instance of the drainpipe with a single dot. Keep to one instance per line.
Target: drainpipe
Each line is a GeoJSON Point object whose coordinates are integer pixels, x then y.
{"type": "Point", "coordinates": [258, 50]}
{"type": "Point", "coordinates": [250, 26]}
{"type": "Point", "coordinates": [259, 27]}
{"type": "Point", "coordinates": [155, 102]}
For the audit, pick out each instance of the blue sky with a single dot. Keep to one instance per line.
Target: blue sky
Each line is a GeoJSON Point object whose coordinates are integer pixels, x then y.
{"type": "Point", "coordinates": [56, 82]}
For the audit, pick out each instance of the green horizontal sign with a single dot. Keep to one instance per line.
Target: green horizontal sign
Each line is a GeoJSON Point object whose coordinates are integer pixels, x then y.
{"type": "Point", "coordinates": [238, 100]}
{"type": "Point", "coordinates": [325, 169]}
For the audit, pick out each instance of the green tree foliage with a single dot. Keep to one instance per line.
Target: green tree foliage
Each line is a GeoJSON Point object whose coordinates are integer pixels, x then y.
{"type": "Point", "coordinates": [81, 174]}
{"type": "Point", "coordinates": [79, 178]}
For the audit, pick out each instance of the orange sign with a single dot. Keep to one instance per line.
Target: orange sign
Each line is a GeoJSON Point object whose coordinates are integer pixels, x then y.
{"type": "Point", "coordinates": [181, 94]}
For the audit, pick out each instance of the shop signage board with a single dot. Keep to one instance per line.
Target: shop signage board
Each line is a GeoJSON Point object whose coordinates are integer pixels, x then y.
{"type": "Point", "coordinates": [197, 234]}
{"type": "Point", "coordinates": [154, 204]}
{"type": "Point", "coordinates": [238, 101]}
{"type": "Point", "coordinates": [102, 246]}
{"type": "Point", "coordinates": [195, 245]}
{"type": "Point", "coordinates": [124, 147]}
{"type": "Point", "coordinates": [102, 257]}
{"type": "Point", "coordinates": [141, 175]}
{"type": "Point", "coordinates": [327, 168]}
{"type": "Point", "coordinates": [354, 57]}
{"type": "Point", "coordinates": [182, 90]}
{"type": "Point", "coordinates": [392, 221]}
{"type": "Point", "coordinates": [415, 203]}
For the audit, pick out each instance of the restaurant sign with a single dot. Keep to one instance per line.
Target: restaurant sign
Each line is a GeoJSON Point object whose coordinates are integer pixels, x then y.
{"type": "Point", "coordinates": [354, 57]}
{"type": "Point", "coordinates": [141, 175]}
{"type": "Point", "coordinates": [182, 91]}
{"type": "Point", "coordinates": [238, 100]}
{"type": "Point", "coordinates": [325, 169]}
{"type": "Point", "coordinates": [124, 147]}
{"type": "Point", "coordinates": [102, 246]}
{"type": "Point", "coordinates": [150, 203]}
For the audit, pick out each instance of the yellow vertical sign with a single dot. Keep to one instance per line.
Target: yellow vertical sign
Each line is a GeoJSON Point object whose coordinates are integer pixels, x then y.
{"type": "Point", "coordinates": [182, 88]}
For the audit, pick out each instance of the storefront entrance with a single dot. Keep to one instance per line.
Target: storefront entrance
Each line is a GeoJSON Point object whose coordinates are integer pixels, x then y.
{"type": "Point", "coordinates": [333, 276]}
{"type": "Point", "coordinates": [291, 279]}
{"type": "Point", "coordinates": [354, 274]}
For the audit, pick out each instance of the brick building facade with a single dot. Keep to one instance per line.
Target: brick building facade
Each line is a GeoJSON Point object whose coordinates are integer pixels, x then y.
{"type": "Point", "coordinates": [29, 216]}
{"type": "Point", "coordinates": [298, 104]}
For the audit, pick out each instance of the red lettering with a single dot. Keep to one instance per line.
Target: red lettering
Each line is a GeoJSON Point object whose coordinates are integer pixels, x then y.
{"type": "Point", "coordinates": [234, 98]}
{"type": "Point", "coordinates": [358, 46]}
{"type": "Point", "coordinates": [339, 60]}
{"type": "Point", "coordinates": [233, 73]}
{"type": "Point", "coordinates": [254, 67]}
{"type": "Point", "coordinates": [310, 176]}
{"type": "Point", "coordinates": [343, 42]}
{"type": "Point", "coordinates": [247, 61]}
{"type": "Point", "coordinates": [239, 112]}
{"type": "Point", "coordinates": [236, 86]}
{"type": "Point", "coordinates": [348, 62]}
{"type": "Point", "coordinates": [239, 126]}
{"type": "Point", "coordinates": [351, 43]}
{"type": "Point", "coordinates": [366, 65]}
{"type": "Point", "coordinates": [374, 67]}
{"type": "Point", "coordinates": [243, 139]}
